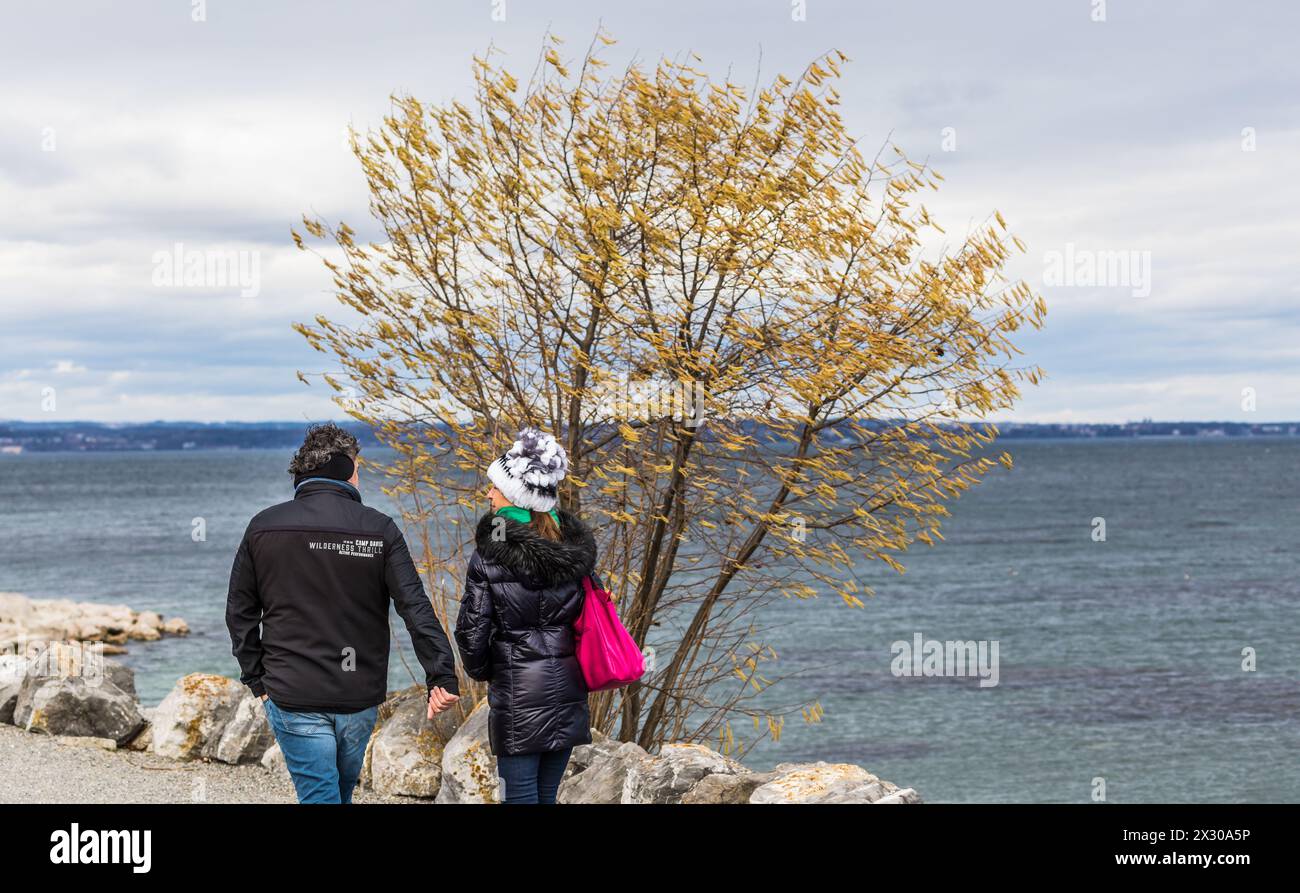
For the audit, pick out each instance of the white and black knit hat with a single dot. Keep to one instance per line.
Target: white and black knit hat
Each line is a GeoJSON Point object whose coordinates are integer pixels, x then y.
{"type": "Point", "coordinates": [529, 472]}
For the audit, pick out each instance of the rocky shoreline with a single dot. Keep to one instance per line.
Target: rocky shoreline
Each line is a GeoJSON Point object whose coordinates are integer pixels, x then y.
{"type": "Point", "coordinates": [67, 691]}
{"type": "Point", "coordinates": [26, 620]}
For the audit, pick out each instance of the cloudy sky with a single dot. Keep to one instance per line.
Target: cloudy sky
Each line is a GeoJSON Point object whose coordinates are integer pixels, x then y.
{"type": "Point", "coordinates": [1167, 134]}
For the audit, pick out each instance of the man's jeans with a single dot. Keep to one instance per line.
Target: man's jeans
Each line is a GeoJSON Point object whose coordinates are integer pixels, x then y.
{"type": "Point", "coordinates": [532, 777]}
{"type": "Point", "coordinates": [324, 751]}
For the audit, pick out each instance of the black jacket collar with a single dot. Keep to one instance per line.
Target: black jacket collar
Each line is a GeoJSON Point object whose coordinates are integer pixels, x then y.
{"type": "Point", "coordinates": [532, 557]}
{"type": "Point", "coordinates": [311, 486]}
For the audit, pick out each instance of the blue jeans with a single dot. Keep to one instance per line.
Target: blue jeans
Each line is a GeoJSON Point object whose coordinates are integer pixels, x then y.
{"type": "Point", "coordinates": [532, 777]}
{"type": "Point", "coordinates": [324, 751]}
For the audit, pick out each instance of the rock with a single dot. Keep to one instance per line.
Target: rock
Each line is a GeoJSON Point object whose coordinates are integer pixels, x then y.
{"type": "Point", "coordinates": [393, 700]}
{"type": "Point", "coordinates": [143, 739]}
{"type": "Point", "coordinates": [867, 793]}
{"type": "Point", "coordinates": [609, 771]}
{"type": "Point", "coordinates": [61, 660]}
{"type": "Point", "coordinates": [143, 633]}
{"type": "Point", "coordinates": [822, 783]}
{"type": "Point", "coordinates": [273, 760]}
{"type": "Point", "coordinates": [88, 632]}
{"type": "Point", "coordinates": [906, 795]}
{"type": "Point", "coordinates": [13, 667]}
{"type": "Point", "coordinates": [677, 768]}
{"type": "Point", "coordinates": [11, 635]}
{"type": "Point", "coordinates": [469, 770]}
{"type": "Point", "coordinates": [600, 772]}
{"type": "Point", "coordinates": [75, 741]}
{"type": "Point", "coordinates": [72, 706]}
{"type": "Point", "coordinates": [722, 788]}
{"type": "Point", "coordinates": [248, 734]}
{"type": "Point", "coordinates": [120, 675]}
{"type": "Point", "coordinates": [584, 755]}
{"type": "Point", "coordinates": [406, 752]}
{"type": "Point", "coordinates": [25, 620]}
{"type": "Point", "coordinates": [69, 689]}
{"type": "Point", "coordinates": [189, 722]}
{"type": "Point", "coordinates": [175, 626]}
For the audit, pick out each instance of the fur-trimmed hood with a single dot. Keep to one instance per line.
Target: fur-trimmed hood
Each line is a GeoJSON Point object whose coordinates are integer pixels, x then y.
{"type": "Point", "coordinates": [533, 558]}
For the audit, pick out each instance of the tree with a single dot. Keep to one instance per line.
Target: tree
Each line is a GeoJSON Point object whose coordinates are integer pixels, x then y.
{"type": "Point", "coordinates": [765, 364]}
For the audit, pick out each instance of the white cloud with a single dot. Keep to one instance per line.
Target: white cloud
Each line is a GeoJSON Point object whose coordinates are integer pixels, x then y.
{"type": "Point", "coordinates": [1140, 153]}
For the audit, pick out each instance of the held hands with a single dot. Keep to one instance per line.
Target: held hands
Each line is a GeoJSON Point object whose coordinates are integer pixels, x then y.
{"type": "Point", "coordinates": [439, 700]}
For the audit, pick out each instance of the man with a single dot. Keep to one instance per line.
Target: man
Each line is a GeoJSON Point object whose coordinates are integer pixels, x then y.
{"type": "Point", "coordinates": [317, 573]}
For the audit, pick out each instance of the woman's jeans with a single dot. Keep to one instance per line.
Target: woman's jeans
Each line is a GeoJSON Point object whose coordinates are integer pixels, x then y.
{"type": "Point", "coordinates": [532, 777]}
{"type": "Point", "coordinates": [324, 751]}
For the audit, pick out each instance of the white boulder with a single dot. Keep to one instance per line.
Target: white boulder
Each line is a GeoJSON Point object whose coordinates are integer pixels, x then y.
{"type": "Point", "coordinates": [190, 721]}
{"type": "Point", "coordinates": [469, 770]}
{"type": "Point", "coordinates": [406, 751]}
{"type": "Point", "coordinates": [823, 783]}
{"type": "Point", "coordinates": [670, 774]}
{"type": "Point", "coordinates": [248, 734]}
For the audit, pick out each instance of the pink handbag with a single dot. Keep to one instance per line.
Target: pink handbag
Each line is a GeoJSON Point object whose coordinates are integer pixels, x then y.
{"type": "Point", "coordinates": [608, 656]}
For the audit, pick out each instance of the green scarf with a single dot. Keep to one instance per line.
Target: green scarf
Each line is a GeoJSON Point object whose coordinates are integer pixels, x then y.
{"type": "Point", "coordinates": [522, 515]}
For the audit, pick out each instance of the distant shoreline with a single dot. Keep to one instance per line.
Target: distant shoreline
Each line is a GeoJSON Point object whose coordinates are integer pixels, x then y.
{"type": "Point", "coordinates": [20, 438]}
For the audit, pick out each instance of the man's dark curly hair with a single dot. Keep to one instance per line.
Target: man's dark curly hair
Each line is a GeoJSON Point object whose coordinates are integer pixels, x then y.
{"type": "Point", "coordinates": [321, 442]}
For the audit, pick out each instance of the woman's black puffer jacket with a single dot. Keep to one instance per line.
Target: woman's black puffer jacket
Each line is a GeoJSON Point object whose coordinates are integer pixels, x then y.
{"type": "Point", "coordinates": [523, 593]}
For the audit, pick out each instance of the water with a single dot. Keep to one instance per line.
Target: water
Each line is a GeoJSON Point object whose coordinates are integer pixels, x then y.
{"type": "Point", "coordinates": [1119, 660]}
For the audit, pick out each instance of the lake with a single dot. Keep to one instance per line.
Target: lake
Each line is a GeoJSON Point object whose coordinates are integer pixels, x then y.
{"type": "Point", "coordinates": [1119, 659]}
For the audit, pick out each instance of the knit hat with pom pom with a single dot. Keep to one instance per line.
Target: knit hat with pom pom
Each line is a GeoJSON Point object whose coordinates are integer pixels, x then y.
{"type": "Point", "coordinates": [530, 470]}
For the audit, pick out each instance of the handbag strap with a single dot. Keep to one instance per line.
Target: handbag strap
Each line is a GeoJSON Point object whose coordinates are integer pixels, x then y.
{"type": "Point", "coordinates": [590, 590]}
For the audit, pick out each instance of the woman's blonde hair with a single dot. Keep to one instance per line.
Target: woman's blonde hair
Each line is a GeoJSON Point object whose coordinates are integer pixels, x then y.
{"type": "Point", "coordinates": [544, 525]}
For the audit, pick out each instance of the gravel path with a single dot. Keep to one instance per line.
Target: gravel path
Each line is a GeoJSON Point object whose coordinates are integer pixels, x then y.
{"type": "Point", "coordinates": [38, 769]}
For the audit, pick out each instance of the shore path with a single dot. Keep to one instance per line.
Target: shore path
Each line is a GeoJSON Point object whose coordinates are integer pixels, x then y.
{"type": "Point", "coordinates": [38, 769]}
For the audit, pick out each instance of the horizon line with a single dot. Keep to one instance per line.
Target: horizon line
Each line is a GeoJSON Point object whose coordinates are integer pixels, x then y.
{"type": "Point", "coordinates": [352, 421]}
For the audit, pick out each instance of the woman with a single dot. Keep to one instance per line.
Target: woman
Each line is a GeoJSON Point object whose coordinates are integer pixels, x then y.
{"type": "Point", "coordinates": [523, 592]}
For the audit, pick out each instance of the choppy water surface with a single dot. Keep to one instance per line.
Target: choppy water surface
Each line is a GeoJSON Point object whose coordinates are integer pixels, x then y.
{"type": "Point", "coordinates": [1118, 659]}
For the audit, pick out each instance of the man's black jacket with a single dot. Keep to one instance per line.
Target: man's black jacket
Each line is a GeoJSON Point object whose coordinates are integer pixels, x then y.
{"type": "Point", "coordinates": [317, 574]}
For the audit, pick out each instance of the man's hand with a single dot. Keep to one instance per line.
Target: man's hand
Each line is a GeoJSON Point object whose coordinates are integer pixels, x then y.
{"type": "Point", "coordinates": [439, 700]}
{"type": "Point", "coordinates": [264, 697]}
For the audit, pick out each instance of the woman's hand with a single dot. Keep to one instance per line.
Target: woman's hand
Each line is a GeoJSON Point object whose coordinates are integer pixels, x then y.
{"type": "Point", "coordinates": [439, 700]}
